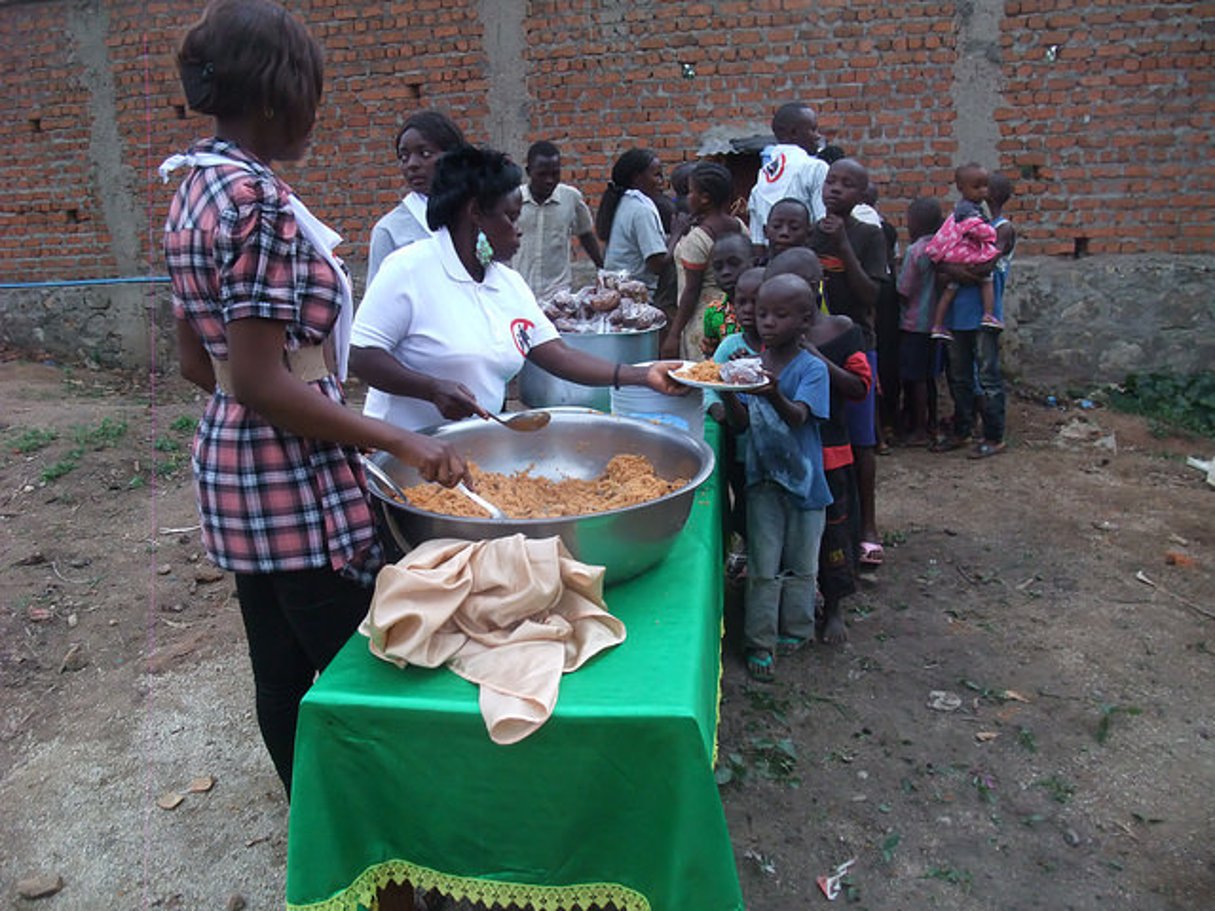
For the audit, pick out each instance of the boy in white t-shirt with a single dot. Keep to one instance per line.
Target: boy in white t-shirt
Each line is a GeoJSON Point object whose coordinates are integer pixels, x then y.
{"type": "Point", "coordinates": [792, 170]}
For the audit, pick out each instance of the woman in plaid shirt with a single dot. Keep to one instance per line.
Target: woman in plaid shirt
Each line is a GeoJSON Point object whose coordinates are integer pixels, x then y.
{"type": "Point", "coordinates": [258, 297]}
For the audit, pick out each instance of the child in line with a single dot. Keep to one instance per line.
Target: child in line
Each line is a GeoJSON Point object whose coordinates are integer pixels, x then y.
{"type": "Point", "coordinates": [974, 353]}
{"type": "Point", "coordinates": [917, 288]}
{"type": "Point", "coordinates": [853, 255]}
{"type": "Point", "coordinates": [886, 328]}
{"type": "Point", "coordinates": [837, 342]}
{"type": "Point", "coordinates": [967, 238]}
{"type": "Point", "coordinates": [730, 258]}
{"type": "Point", "coordinates": [709, 190]}
{"type": "Point", "coordinates": [788, 226]}
{"type": "Point", "coordinates": [787, 492]}
{"type": "Point", "coordinates": [744, 343]}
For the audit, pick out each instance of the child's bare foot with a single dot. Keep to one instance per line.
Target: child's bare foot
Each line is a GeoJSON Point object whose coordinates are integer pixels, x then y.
{"type": "Point", "coordinates": [833, 631]}
{"type": "Point", "coordinates": [790, 645]}
{"type": "Point", "coordinates": [736, 567]}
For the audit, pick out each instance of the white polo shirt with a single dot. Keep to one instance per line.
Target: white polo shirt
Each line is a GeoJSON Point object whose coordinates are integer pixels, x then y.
{"type": "Point", "coordinates": [791, 172]}
{"type": "Point", "coordinates": [425, 310]}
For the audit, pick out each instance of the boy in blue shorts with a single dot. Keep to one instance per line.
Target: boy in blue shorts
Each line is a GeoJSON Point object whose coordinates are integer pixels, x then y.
{"type": "Point", "coordinates": [787, 491]}
{"type": "Point", "coordinates": [853, 255]}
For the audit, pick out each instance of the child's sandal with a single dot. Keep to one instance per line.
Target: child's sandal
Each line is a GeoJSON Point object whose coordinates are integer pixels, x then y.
{"type": "Point", "coordinates": [760, 665]}
{"type": "Point", "coordinates": [872, 554]}
{"type": "Point", "coordinates": [940, 332]}
{"type": "Point", "coordinates": [791, 645]}
{"type": "Point", "coordinates": [990, 322]}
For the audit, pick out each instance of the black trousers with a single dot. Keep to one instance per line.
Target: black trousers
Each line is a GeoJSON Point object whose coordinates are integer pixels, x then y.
{"type": "Point", "coordinates": [295, 623]}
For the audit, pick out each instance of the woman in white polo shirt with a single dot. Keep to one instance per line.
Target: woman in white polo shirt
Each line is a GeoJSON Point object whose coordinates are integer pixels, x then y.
{"type": "Point", "coordinates": [444, 325]}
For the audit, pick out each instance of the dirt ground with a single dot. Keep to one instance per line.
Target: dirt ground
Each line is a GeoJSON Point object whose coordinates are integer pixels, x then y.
{"type": "Point", "coordinates": [1074, 770]}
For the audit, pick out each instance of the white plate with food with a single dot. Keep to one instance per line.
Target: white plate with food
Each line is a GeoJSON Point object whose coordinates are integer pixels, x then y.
{"type": "Point", "coordinates": [707, 375]}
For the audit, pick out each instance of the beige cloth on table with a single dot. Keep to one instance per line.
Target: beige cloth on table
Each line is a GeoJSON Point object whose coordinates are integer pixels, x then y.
{"type": "Point", "coordinates": [509, 614]}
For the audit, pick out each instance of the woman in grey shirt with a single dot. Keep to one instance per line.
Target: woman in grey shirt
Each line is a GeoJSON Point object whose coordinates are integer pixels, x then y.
{"type": "Point", "coordinates": [628, 219]}
{"type": "Point", "coordinates": [425, 136]}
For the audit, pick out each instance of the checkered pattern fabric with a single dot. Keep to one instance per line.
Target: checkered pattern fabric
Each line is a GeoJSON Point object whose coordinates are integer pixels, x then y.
{"type": "Point", "coordinates": [269, 501]}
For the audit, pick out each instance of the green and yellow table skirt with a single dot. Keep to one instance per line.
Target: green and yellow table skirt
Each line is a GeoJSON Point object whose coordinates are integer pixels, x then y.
{"type": "Point", "coordinates": [612, 801]}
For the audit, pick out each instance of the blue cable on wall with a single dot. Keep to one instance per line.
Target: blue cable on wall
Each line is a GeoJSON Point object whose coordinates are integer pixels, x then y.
{"type": "Point", "coordinates": [133, 280]}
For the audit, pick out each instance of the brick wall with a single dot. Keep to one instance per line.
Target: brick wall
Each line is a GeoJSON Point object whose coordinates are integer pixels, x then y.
{"type": "Point", "coordinates": [1108, 115]}
{"type": "Point", "coordinates": [1105, 108]}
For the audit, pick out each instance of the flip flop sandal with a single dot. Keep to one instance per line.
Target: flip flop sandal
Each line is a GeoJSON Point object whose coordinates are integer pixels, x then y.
{"type": "Point", "coordinates": [986, 450]}
{"type": "Point", "coordinates": [872, 553]}
{"type": "Point", "coordinates": [947, 444]}
{"type": "Point", "coordinates": [790, 645]}
{"type": "Point", "coordinates": [760, 665]}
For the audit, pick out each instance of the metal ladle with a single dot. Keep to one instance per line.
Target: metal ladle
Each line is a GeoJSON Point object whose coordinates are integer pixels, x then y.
{"type": "Point", "coordinates": [524, 421]}
{"type": "Point", "coordinates": [384, 478]}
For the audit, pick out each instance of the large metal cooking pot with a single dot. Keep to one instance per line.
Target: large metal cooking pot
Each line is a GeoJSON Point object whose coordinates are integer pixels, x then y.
{"type": "Point", "coordinates": [576, 443]}
{"type": "Point", "coordinates": [538, 388]}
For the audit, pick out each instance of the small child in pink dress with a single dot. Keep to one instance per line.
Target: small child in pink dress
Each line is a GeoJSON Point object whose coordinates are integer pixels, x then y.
{"type": "Point", "coordinates": [969, 239]}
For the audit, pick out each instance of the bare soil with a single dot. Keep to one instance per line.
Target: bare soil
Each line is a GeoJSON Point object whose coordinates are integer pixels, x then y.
{"type": "Point", "coordinates": [1076, 770]}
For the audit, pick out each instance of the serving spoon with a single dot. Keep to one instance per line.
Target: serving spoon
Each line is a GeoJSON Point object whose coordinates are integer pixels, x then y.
{"type": "Point", "coordinates": [384, 478]}
{"type": "Point", "coordinates": [494, 511]}
{"type": "Point", "coordinates": [524, 421]}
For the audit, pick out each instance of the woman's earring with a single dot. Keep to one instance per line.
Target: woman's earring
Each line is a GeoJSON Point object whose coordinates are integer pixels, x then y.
{"type": "Point", "coordinates": [268, 113]}
{"type": "Point", "coordinates": [485, 252]}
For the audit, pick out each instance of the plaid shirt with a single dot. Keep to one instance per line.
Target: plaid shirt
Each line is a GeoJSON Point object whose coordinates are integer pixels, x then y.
{"type": "Point", "coordinates": [270, 501]}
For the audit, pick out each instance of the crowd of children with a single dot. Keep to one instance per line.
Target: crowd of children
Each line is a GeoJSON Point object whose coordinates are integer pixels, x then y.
{"type": "Point", "coordinates": [852, 339]}
{"type": "Point", "coordinates": [817, 302]}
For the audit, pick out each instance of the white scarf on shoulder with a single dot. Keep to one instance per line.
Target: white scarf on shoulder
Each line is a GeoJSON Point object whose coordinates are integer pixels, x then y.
{"type": "Point", "coordinates": [322, 237]}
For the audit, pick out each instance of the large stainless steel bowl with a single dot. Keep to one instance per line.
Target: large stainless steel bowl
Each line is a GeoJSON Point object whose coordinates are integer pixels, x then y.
{"type": "Point", "coordinates": [576, 443]}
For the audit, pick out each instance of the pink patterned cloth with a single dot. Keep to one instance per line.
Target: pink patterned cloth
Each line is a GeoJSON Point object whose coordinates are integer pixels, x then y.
{"type": "Point", "coordinates": [969, 241]}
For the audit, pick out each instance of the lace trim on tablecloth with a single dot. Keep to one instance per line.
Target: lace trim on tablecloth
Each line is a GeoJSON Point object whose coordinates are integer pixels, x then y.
{"type": "Point", "coordinates": [362, 893]}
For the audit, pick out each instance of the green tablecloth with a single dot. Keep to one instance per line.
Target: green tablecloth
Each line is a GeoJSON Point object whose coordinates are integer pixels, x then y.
{"type": "Point", "coordinates": [612, 800]}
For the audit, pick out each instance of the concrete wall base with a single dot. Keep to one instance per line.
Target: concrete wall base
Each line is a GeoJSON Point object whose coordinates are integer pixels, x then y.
{"type": "Point", "coordinates": [108, 325]}
{"type": "Point", "coordinates": [1096, 319]}
{"type": "Point", "coordinates": [1070, 321]}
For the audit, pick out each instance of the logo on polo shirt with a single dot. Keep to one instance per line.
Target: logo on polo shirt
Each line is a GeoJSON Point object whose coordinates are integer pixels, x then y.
{"type": "Point", "coordinates": [521, 332]}
{"type": "Point", "coordinates": [775, 169]}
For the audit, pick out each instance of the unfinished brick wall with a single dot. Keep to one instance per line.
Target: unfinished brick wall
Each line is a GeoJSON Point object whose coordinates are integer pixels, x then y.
{"type": "Point", "coordinates": [1105, 115]}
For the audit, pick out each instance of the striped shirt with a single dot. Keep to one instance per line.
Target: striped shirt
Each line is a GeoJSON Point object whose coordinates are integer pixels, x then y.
{"type": "Point", "coordinates": [269, 501]}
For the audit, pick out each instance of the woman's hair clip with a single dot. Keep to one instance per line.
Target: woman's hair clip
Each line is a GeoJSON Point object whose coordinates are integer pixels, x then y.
{"type": "Point", "coordinates": [197, 79]}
